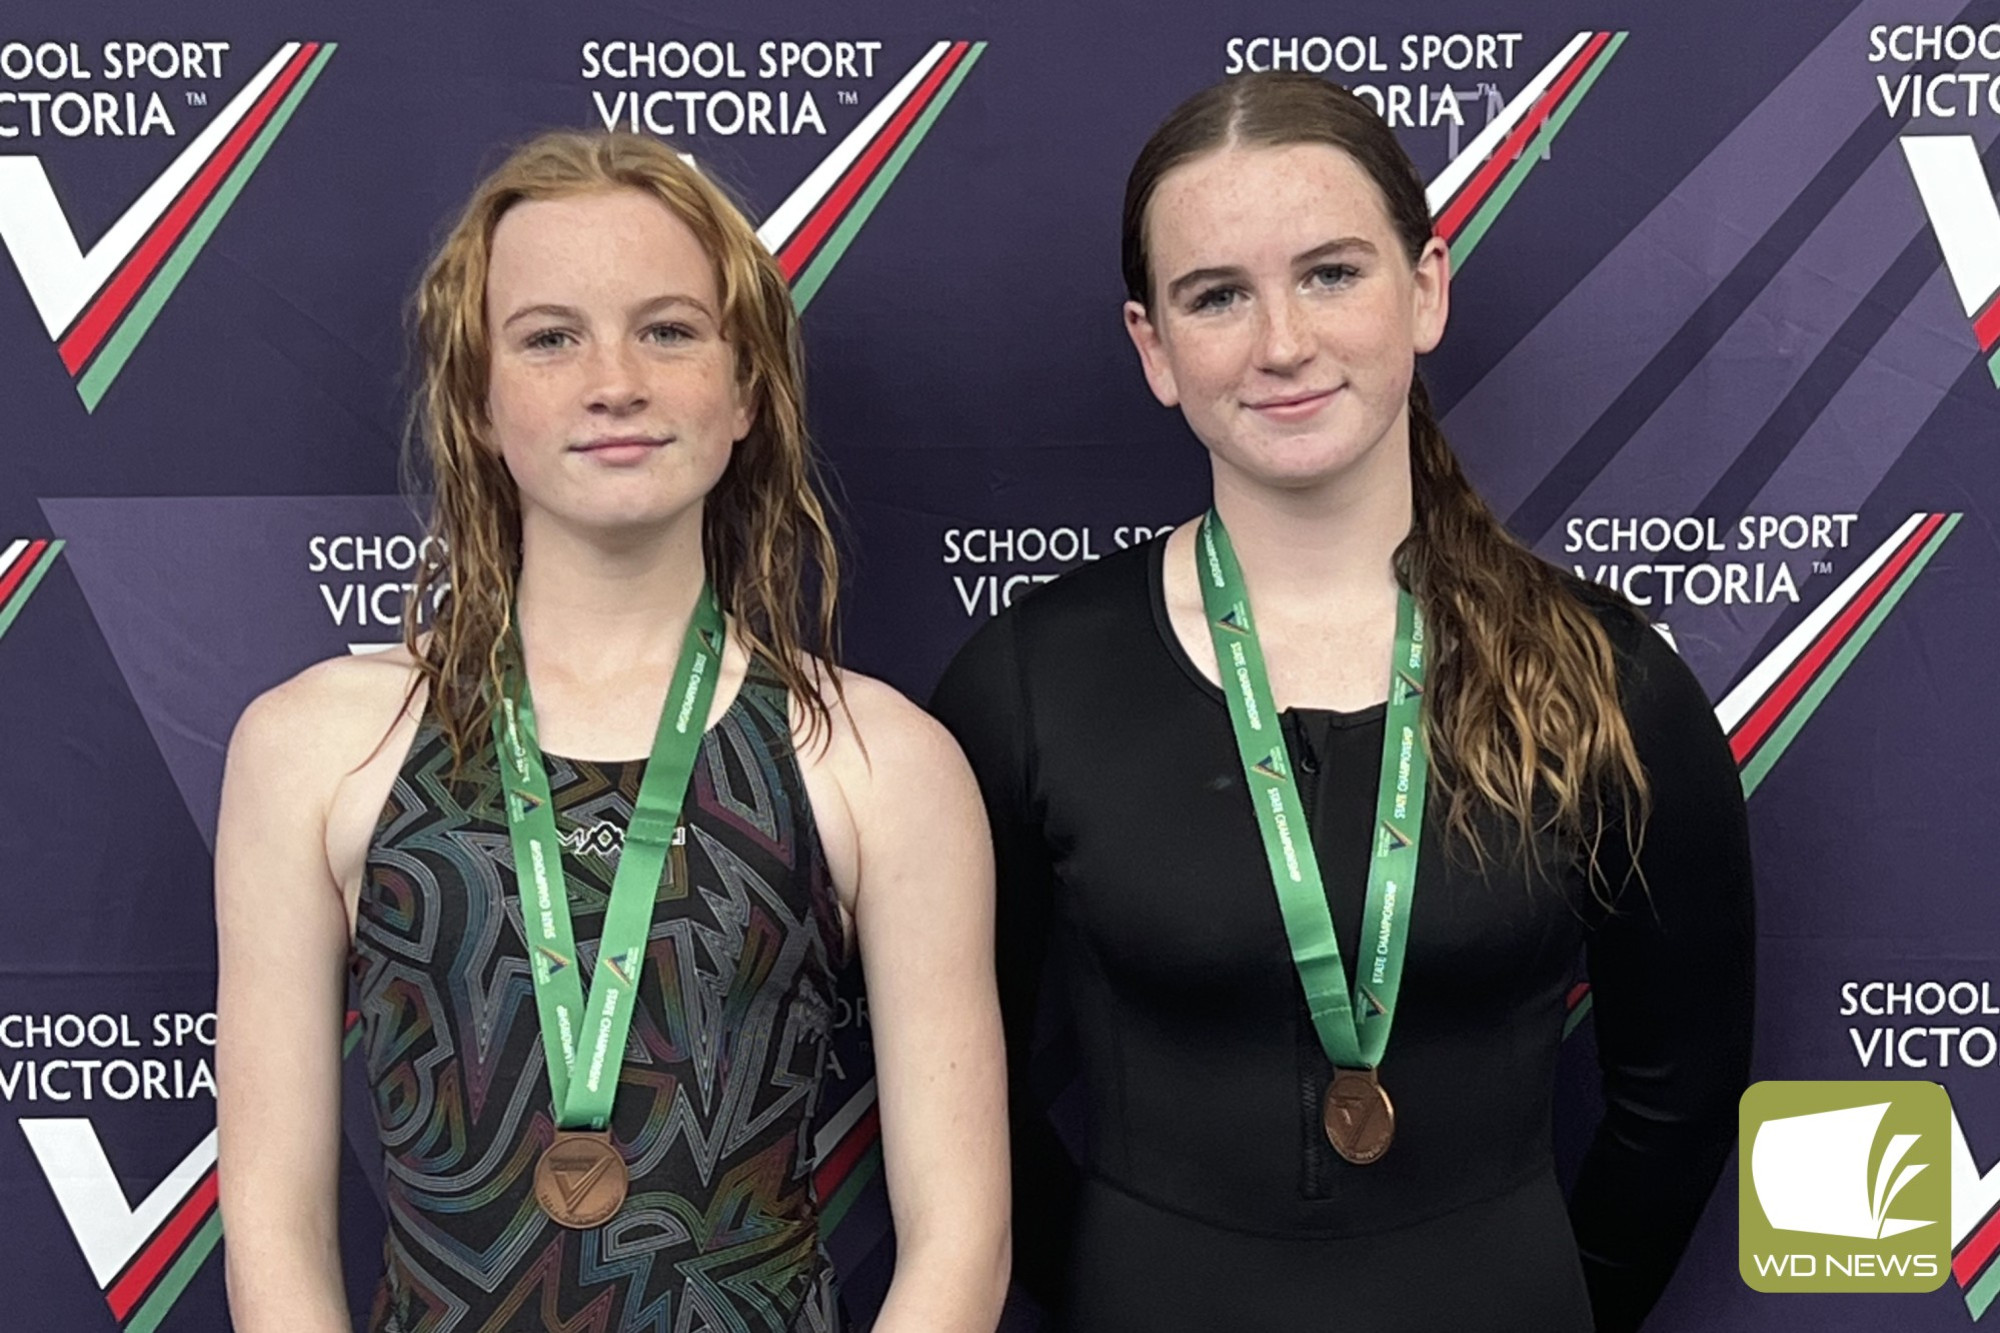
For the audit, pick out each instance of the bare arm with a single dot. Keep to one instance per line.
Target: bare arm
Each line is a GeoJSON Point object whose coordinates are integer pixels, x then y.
{"type": "Point", "coordinates": [282, 923]}
{"type": "Point", "coordinates": [922, 892]}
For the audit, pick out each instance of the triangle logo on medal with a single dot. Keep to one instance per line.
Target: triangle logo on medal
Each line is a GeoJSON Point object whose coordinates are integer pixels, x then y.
{"type": "Point", "coordinates": [576, 1181]}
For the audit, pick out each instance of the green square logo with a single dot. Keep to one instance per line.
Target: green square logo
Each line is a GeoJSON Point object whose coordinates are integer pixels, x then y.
{"type": "Point", "coordinates": [1844, 1186]}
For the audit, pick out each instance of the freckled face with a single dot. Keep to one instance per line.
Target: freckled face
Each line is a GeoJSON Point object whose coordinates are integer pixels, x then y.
{"type": "Point", "coordinates": [1285, 320]}
{"type": "Point", "coordinates": [613, 396]}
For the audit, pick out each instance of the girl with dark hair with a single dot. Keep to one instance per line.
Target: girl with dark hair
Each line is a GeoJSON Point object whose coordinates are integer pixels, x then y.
{"type": "Point", "coordinates": [1316, 1082]}
{"type": "Point", "coordinates": [594, 845]}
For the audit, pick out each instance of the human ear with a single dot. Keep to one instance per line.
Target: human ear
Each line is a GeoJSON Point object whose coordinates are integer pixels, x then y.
{"type": "Point", "coordinates": [1153, 358]}
{"type": "Point", "coordinates": [1430, 295]}
{"type": "Point", "coordinates": [745, 416]}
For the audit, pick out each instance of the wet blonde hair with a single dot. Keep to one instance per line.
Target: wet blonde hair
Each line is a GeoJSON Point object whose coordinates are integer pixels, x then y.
{"type": "Point", "coordinates": [766, 538]}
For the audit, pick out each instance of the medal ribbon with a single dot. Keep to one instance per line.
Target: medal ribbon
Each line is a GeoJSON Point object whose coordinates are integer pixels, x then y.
{"type": "Point", "coordinates": [1354, 1032]}
{"type": "Point", "coordinates": [585, 1041]}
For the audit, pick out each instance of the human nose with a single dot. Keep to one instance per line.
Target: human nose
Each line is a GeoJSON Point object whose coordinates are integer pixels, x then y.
{"type": "Point", "coordinates": [617, 383]}
{"type": "Point", "coordinates": [1285, 338]}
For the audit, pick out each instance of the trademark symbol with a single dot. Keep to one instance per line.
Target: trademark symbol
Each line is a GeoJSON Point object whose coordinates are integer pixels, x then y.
{"type": "Point", "coordinates": [196, 98]}
{"type": "Point", "coordinates": [1822, 566]}
{"type": "Point", "coordinates": [848, 97]}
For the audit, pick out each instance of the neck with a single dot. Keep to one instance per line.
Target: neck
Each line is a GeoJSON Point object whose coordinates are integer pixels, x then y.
{"type": "Point", "coordinates": [1331, 545]}
{"type": "Point", "coordinates": [595, 604]}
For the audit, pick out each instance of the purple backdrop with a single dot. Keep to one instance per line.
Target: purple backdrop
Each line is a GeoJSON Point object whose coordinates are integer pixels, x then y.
{"type": "Point", "coordinates": [1723, 334]}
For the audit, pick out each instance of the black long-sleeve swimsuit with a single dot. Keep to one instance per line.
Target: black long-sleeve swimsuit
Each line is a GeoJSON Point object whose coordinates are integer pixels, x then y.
{"type": "Point", "coordinates": [1133, 881]}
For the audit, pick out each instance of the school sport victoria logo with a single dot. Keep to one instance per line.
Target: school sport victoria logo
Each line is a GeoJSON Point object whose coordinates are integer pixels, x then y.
{"type": "Point", "coordinates": [1959, 199]}
{"type": "Point", "coordinates": [811, 230]}
{"type": "Point", "coordinates": [142, 1255]}
{"type": "Point", "coordinates": [98, 304]}
{"type": "Point", "coordinates": [1470, 193]}
{"type": "Point", "coordinates": [1761, 715]}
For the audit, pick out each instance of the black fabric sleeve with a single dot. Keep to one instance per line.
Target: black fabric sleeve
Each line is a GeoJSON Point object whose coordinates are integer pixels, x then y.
{"type": "Point", "coordinates": [1672, 972]}
{"type": "Point", "coordinates": [981, 701]}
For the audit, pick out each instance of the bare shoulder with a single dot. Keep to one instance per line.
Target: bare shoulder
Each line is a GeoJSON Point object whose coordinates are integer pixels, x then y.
{"type": "Point", "coordinates": [893, 798]}
{"type": "Point", "coordinates": [335, 710]}
{"type": "Point", "coordinates": [873, 730]}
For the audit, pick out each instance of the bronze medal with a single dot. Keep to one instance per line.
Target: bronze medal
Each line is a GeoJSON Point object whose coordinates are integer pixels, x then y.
{"type": "Point", "coordinates": [1359, 1117]}
{"type": "Point", "coordinates": [580, 1180]}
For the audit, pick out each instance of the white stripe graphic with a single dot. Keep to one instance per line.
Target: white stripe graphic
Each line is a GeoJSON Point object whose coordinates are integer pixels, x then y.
{"type": "Point", "coordinates": [786, 217]}
{"type": "Point", "coordinates": [108, 1229]}
{"type": "Point", "coordinates": [1749, 691]}
{"type": "Point", "coordinates": [1973, 1195]}
{"type": "Point", "coordinates": [1489, 139]}
{"type": "Point", "coordinates": [60, 278]}
{"type": "Point", "coordinates": [1963, 212]}
{"type": "Point", "coordinates": [846, 1118]}
{"type": "Point", "coordinates": [11, 554]}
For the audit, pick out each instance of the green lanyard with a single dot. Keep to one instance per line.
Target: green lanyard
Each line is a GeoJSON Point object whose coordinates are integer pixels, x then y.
{"type": "Point", "coordinates": [1354, 1032]}
{"type": "Point", "coordinates": [585, 1083]}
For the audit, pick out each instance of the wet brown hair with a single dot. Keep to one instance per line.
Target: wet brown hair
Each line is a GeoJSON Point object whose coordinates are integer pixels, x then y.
{"type": "Point", "coordinates": [765, 534]}
{"type": "Point", "coordinates": [1523, 717]}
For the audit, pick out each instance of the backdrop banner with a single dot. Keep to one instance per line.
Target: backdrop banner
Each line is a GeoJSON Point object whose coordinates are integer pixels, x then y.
{"type": "Point", "coordinates": [1724, 336]}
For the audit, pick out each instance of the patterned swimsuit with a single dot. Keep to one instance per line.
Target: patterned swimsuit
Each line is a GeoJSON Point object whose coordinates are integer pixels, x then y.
{"type": "Point", "coordinates": [722, 1069]}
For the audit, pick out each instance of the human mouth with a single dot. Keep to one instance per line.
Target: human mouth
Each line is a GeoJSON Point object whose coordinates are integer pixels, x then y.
{"type": "Point", "coordinates": [1292, 407]}
{"type": "Point", "coordinates": [621, 449]}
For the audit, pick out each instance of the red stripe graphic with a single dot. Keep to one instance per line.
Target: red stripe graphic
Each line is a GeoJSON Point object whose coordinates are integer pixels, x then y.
{"type": "Point", "coordinates": [1468, 199]}
{"type": "Point", "coordinates": [12, 578]}
{"type": "Point", "coordinates": [1972, 1256]}
{"type": "Point", "coordinates": [132, 1286]}
{"type": "Point", "coordinates": [835, 1166]}
{"type": "Point", "coordinates": [792, 258]}
{"type": "Point", "coordinates": [1986, 327]}
{"type": "Point", "coordinates": [1576, 994]}
{"type": "Point", "coordinates": [83, 340]}
{"type": "Point", "coordinates": [1754, 728]}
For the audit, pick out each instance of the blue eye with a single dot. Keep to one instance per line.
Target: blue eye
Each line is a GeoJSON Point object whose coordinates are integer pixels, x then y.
{"type": "Point", "coordinates": [1333, 275]}
{"type": "Point", "coordinates": [670, 333]}
{"type": "Point", "coordinates": [1215, 298]}
{"type": "Point", "coordinates": [543, 340]}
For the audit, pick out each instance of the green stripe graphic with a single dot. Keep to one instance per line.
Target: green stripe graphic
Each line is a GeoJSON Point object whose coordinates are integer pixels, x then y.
{"type": "Point", "coordinates": [865, 1169]}
{"type": "Point", "coordinates": [199, 1247]}
{"type": "Point", "coordinates": [20, 597]}
{"type": "Point", "coordinates": [1464, 244]}
{"type": "Point", "coordinates": [1578, 1014]}
{"type": "Point", "coordinates": [91, 388]}
{"type": "Point", "coordinates": [809, 282]}
{"type": "Point", "coordinates": [1982, 1292]}
{"type": "Point", "coordinates": [1993, 367]}
{"type": "Point", "coordinates": [1801, 711]}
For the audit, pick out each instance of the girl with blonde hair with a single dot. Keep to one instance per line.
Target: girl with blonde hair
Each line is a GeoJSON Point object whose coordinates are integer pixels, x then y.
{"type": "Point", "coordinates": [595, 842]}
